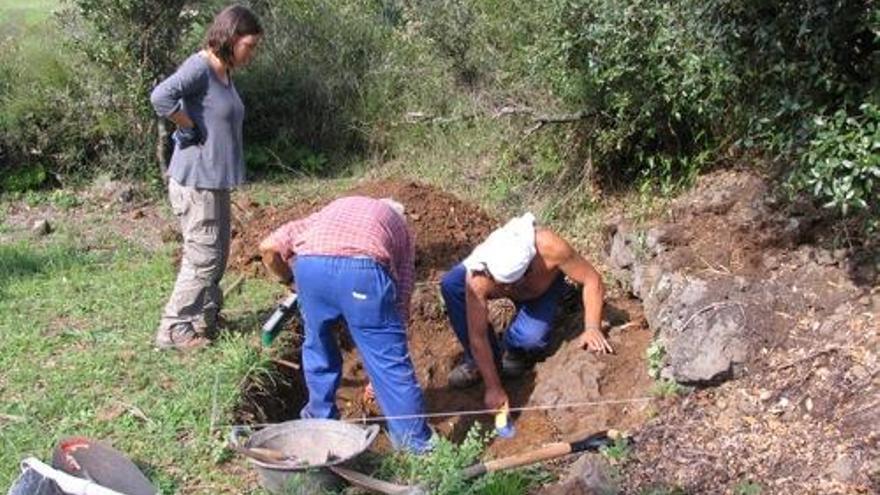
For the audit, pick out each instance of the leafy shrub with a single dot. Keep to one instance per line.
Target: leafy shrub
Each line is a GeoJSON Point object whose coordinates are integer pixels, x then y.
{"type": "Point", "coordinates": [309, 93]}
{"type": "Point", "coordinates": [453, 26]}
{"type": "Point", "coordinates": [841, 165]}
{"type": "Point", "coordinates": [795, 59]}
{"type": "Point", "coordinates": [653, 78]}
{"type": "Point", "coordinates": [22, 179]}
{"type": "Point", "coordinates": [74, 104]}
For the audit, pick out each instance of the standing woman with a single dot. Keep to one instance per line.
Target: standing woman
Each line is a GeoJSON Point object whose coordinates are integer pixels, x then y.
{"type": "Point", "coordinates": [201, 99]}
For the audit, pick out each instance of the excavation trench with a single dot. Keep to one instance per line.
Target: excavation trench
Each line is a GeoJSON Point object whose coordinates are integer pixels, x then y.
{"type": "Point", "coordinates": [446, 229]}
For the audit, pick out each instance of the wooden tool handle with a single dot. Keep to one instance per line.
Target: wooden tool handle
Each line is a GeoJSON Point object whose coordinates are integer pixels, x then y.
{"type": "Point", "coordinates": [548, 451]}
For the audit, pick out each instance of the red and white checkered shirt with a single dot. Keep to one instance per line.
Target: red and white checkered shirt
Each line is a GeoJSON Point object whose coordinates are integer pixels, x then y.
{"type": "Point", "coordinates": [355, 226]}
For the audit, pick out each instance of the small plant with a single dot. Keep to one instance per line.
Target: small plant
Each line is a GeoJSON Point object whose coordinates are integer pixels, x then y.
{"type": "Point", "coordinates": [440, 472]}
{"type": "Point", "coordinates": [747, 488]}
{"type": "Point", "coordinates": [655, 353]}
{"type": "Point", "coordinates": [618, 452]}
{"type": "Point", "coordinates": [63, 200]}
{"type": "Point", "coordinates": [666, 388]}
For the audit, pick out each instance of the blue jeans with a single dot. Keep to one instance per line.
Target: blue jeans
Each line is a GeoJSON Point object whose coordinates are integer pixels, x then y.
{"type": "Point", "coordinates": [528, 332]}
{"type": "Point", "coordinates": [360, 292]}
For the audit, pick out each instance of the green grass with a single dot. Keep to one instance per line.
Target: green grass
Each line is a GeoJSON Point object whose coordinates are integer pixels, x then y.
{"type": "Point", "coordinates": [76, 331]}
{"type": "Point", "coordinates": [28, 11]}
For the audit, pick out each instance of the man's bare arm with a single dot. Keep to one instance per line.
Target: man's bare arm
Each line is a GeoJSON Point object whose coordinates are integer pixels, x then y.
{"type": "Point", "coordinates": [476, 300]}
{"type": "Point", "coordinates": [558, 252]}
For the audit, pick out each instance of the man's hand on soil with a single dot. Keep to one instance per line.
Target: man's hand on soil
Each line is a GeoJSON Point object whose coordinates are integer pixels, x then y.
{"type": "Point", "coordinates": [593, 340]}
{"type": "Point", "coordinates": [495, 398]}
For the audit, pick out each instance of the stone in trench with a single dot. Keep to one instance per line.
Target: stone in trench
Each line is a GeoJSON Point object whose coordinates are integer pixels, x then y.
{"type": "Point", "coordinates": [702, 331]}
{"type": "Point", "coordinates": [571, 375]}
{"type": "Point", "coordinates": [709, 348]}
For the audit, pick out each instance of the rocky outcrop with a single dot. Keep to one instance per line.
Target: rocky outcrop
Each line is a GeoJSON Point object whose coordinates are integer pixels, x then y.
{"type": "Point", "coordinates": [700, 319]}
{"type": "Point", "coordinates": [721, 275]}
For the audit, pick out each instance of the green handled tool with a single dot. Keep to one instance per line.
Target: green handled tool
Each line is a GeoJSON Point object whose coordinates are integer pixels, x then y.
{"type": "Point", "coordinates": [283, 313]}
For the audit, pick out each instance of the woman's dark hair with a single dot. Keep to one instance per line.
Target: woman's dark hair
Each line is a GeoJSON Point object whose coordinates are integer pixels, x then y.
{"type": "Point", "coordinates": [229, 25]}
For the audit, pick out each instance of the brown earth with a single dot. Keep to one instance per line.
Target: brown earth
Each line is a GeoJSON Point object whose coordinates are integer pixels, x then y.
{"type": "Point", "coordinates": [446, 229]}
{"type": "Point", "coordinates": [803, 415]}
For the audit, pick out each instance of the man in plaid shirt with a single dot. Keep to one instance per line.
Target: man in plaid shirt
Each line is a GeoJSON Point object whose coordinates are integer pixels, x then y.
{"type": "Point", "coordinates": [354, 260]}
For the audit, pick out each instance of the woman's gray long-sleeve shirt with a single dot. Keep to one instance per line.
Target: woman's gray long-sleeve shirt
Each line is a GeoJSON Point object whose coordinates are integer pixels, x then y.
{"type": "Point", "coordinates": [217, 110]}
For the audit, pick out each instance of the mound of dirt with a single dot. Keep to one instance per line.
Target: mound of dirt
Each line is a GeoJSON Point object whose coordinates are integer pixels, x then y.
{"type": "Point", "coordinates": [446, 228]}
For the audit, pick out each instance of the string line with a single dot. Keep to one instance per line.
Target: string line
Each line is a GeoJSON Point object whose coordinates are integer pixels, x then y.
{"type": "Point", "coordinates": [476, 412]}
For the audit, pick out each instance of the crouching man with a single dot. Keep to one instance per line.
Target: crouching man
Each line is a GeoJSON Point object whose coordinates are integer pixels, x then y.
{"type": "Point", "coordinates": [528, 265]}
{"type": "Point", "coordinates": [354, 261]}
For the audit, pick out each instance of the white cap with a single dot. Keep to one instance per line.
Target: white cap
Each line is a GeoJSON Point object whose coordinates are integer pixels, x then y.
{"type": "Point", "coordinates": [507, 252]}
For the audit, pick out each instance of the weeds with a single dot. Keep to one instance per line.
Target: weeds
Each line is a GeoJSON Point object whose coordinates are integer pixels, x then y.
{"type": "Point", "coordinates": [747, 488]}
{"type": "Point", "coordinates": [618, 452]}
{"type": "Point", "coordinates": [656, 353]}
{"type": "Point", "coordinates": [665, 388]}
{"type": "Point", "coordinates": [440, 472]}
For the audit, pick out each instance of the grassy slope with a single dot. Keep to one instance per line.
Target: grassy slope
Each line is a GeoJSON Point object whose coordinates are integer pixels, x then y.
{"type": "Point", "coordinates": [76, 357]}
{"type": "Point", "coordinates": [30, 11]}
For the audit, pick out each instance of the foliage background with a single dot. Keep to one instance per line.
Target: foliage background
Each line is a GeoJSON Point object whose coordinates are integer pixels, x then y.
{"type": "Point", "coordinates": [664, 89]}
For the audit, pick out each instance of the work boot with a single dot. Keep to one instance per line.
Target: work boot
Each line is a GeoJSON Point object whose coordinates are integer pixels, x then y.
{"type": "Point", "coordinates": [181, 337]}
{"type": "Point", "coordinates": [464, 375]}
{"type": "Point", "coordinates": [516, 363]}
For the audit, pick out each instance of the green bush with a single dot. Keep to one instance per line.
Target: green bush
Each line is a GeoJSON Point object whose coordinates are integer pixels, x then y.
{"type": "Point", "coordinates": [796, 59]}
{"type": "Point", "coordinates": [76, 104]}
{"type": "Point", "coordinates": [664, 88]}
{"type": "Point", "coordinates": [653, 78]}
{"type": "Point", "coordinates": [841, 165]}
{"type": "Point", "coordinates": [309, 94]}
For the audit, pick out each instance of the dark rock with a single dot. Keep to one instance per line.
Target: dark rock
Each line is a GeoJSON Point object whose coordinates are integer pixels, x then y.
{"type": "Point", "coordinates": [589, 475]}
{"type": "Point", "coordinates": [576, 379]}
{"type": "Point", "coordinates": [622, 255]}
{"type": "Point", "coordinates": [708, 348]}
{"type": "Point", "coordinates": [126, 194]}
{"type": "Point", "coordinates": [41, 227]}
{"type": "Point", "coordinates": [703, 333]}
{"type": "Point", "coordinates": [824, 257]}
